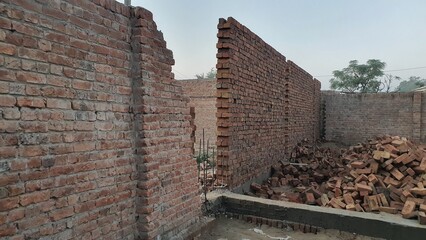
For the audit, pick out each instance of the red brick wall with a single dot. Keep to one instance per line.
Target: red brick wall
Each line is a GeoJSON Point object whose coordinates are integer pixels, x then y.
{"type": "Point", "coordinates": [265, 104]}
{"type": "Point", "coordinates": [168, 202]}
{"type": "Point", "coordinates": [353, 118]}
{"type": "Point", "coordinates": [202, 94]}
{"type": "Point", "coordinates": [423, 117]}
{"type": "Point", "coordinates": [304, 96]}
{"type": "Point", "coordinates": [94, 131]}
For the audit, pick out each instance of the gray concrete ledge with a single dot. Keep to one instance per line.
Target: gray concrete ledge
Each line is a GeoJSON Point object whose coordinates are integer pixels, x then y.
{"type": "Point", "coordinates": [380, 225]}
{"type": "Point", "coordinates": [245, 187]}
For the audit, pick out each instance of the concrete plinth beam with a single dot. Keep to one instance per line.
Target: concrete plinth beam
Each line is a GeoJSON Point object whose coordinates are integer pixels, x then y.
{"type": "Point", "coordinates": [380, 225]}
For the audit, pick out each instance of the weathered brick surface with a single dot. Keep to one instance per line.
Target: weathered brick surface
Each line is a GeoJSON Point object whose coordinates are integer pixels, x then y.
{"type": "Point", "coordinates": [423, 118]}
{"type": "Point", "coordinates": [168, 202]}
{"type": "Point", "coordinates": [202, 94]}
{"type": "Point", "coordinates": [304, 106]}
{"type": "Point", "coordinates": [265, 104]}
{"type": "Point", "coordinates": [352, 118]}
{"type": "Point", "coordinates": [94, 131]}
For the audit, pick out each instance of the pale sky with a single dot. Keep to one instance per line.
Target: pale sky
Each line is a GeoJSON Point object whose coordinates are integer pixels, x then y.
{"type": "Point", "coordinates": [320, 36]}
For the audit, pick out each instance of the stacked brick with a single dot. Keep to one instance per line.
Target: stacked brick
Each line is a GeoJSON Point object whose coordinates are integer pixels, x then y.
{"type": "Point", "coordinates": [91, 124]}
{"type": "Point", "coordinates": [259, 113]}
{"type": "Point", "coordinates": [202, 94]}
{"type": "Point", "coordinates": [423, 118]}
{"type": "Point", "coordinates": [353, 118]}
{"type": "Point", "coordinates": [304, 105]}
{"type": "Point", "coordinates": [167, 190]}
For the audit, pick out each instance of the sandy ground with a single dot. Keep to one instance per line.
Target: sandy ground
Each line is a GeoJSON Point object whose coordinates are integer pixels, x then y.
{"type": "Point", "coordinates": [232, 229]}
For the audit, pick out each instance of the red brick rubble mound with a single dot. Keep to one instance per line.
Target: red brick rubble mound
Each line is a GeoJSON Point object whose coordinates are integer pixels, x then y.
{"type": "Point", "coordinates": [382, 175]}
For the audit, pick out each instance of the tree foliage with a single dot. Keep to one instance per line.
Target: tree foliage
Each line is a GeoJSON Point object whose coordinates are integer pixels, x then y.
{"type": "Point", "coordinates": [360, 77]}
{"type": "Point", "coordinates": [209, 75]}
{"type": "Point", "coordinates": [387, 82]}
{"type": "Point", "coordinates": [412, 83]}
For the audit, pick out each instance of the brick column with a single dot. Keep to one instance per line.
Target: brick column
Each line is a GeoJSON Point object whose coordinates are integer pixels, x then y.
{"type": "Point", "coordinates": [167, 201]}
{"type": "Point", "coordinates": [224, 101]}
{"type": "Point", "coordinates": [287, 140]}
{"type": "Point", "coordinates": [417, 115]}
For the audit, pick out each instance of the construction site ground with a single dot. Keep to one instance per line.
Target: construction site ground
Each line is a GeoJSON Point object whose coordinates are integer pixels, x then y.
{"type": "Point", "coordinates": [233, 229]}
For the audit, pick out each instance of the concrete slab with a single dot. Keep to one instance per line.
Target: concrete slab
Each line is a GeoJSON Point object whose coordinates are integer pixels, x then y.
{"type": "Point", "coordinates": [381, 225]}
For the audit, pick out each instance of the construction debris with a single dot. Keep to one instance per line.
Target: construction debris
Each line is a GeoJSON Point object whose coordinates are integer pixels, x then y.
{"type": "Point", "coordinates": [382, 175]}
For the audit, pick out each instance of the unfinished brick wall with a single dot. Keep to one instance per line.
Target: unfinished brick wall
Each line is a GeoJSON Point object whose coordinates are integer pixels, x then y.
{"type": "Point", "coordinates": [168, 202]}
{"type": "Point", "coordinates": [423, 118]}
{"type": "Point", "coordinates": [94, 131]}
{"type": "Point", "coordinates": [265, 104]}
{"type": "Point", "coordinates": [353, 118]}
{"type": "Point", "coordinates": [202, 94]}
{"type": "Point", "coordinates": [304, 96]}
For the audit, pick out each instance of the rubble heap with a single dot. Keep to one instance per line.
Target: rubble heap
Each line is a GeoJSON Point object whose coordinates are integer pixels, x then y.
{"type": "Point", "coordinates": [386, 175]}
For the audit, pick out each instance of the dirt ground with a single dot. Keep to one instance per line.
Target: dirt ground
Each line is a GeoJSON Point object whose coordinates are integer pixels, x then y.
{"type": "Point", "coordinates": [232, 229]}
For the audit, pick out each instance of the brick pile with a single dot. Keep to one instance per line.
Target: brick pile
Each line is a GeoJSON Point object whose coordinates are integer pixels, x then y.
{"type": "Point", "coordinates": [265, 104]}
{"type": "Point", "coordinates": [386, 175]}
{"type": "Point", "coordinates": [94, 131]}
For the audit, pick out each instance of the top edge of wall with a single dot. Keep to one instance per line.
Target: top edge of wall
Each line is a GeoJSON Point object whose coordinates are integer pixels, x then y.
{"type": "Point", "coordinates": [197, 80]}
{"type": "Point", "coordinates": [120, 8]}
{"type": "Point", "coordinates": [230, 21]}
{"type": "Point", "coordinates": [358, 94]}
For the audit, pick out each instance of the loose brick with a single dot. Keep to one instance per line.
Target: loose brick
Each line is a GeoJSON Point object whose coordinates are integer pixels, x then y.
{"type": "Point", "coordinates": [408, 208]}
{"type": "Point", "coordinates": [422, 218]}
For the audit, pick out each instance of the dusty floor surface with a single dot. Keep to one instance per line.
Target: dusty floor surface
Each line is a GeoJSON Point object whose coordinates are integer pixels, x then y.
{"type": "Point", "coordinates": [232, 229]}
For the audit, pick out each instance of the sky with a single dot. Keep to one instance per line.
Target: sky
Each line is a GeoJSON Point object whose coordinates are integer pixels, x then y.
{"type": "Point", "coordinates": [319, 36]}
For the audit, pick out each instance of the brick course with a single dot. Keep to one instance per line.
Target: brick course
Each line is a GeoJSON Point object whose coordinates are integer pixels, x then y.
{"type": "Point", "coordinates": [423, 118]}
{"type": "Point", "coordinates": [353, 118]}
{"type": "Point", "coordinates": [202, 94]}
{"type": "Point", "coordinates": [265, 104]}
{"type": "Point", "coordinates": [94, 132]}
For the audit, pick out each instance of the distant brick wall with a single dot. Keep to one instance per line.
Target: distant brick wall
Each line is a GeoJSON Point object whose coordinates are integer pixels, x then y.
{"type": "Point", "coordinates": [423, 117]}
{"type": "Point", "coordinates": [94, 131]}
{"type": "Point", "coordinates": [353, 118]}
{"type": "Point", "coordinates": [265, 104]}
{"type": "Point", "coordinates": [202, 94]}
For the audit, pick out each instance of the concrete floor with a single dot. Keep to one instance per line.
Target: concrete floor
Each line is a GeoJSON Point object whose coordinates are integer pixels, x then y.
{"type": "Point", "coordinates": [233, 229]}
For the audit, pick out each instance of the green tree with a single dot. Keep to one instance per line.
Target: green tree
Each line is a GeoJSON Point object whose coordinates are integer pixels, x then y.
{"type": "Point", "coordinates": [359, 77]}
{"type": "Point", "coordinates": [387, 82]}
{"type": "Point", "coordinates": [209, 75]}
{"type": "Point", "coordinates": [412, 83]}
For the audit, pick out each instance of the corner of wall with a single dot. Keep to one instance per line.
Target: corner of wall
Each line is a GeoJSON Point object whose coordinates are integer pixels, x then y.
{"type": "Point", "coordinates": [164, 149]}
{"type": "Point", "coordinates": [224, 98]}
